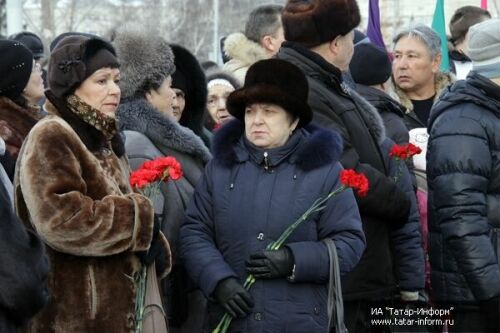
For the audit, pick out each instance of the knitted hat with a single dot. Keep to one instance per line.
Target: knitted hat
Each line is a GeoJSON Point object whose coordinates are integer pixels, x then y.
{"type": "Point", "coordinates": [31, 41]}
{"type": "Point", "coordinates": [16, 64]}
{"type": "Point", "coordinates": [314, 22]}
{"type": "Point", "coordinates": [370, 65]}
{"type": "Point", "coordinates": [484, 48]}
{"type": "Point", "coordinates": [74, 59]}
{"type": "Point", "coordinates": [273, 81]}
{"type": "Point", "coordinates": [146, 59]}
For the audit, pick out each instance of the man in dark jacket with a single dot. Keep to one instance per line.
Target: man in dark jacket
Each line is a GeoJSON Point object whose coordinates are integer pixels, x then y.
{"type": "Point", "coordinates": [370, 69]}
{"type": "Point", "coordinates": [463, 175]}
{"type": "Point", "coordinates": [320, 43]}
{"type": "Point", "coordinates": [24, 268]}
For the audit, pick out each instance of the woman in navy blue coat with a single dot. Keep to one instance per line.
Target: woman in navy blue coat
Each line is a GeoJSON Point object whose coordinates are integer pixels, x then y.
{"type": "Point", "coordinates": [269, 167]}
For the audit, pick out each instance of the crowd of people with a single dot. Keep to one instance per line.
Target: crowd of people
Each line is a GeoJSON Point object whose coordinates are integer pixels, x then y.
{"type": "Point", "coordinates": [303, 96]}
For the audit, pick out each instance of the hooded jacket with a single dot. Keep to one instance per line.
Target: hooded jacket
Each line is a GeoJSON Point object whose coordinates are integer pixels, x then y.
{"type": "Point", "coordinates": [243, 53]}
{"type": "Point", "coordinates": [337, 107]}
{"type": "Point", "coordinates": [239, 207]}
{"type": "Point", "coordinates": [464, 192]}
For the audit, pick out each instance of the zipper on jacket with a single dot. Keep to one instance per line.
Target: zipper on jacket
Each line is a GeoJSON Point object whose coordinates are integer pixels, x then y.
{"type": "Point", "coordinates": [266, 162]}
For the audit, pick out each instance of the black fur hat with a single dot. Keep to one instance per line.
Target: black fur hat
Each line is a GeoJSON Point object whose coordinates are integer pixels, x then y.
{"type": "Point", "coordinates": [190, 78]}
{"type": "Point", "coordinates": [273, 81]}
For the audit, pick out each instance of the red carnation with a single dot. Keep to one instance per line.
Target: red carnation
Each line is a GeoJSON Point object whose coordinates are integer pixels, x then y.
{"type": "Point", "coordinates": [357, 181]}
{"type": "Point", "coordinates": [405, 151]}
{"type": "Point", "coordinates": [160, 169]}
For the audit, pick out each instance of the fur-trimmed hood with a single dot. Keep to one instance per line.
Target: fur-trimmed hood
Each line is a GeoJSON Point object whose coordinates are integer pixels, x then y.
{"type": "Point", "coordinates": [320, 146]}
{"type": "Point", "coordinates": [441, 81]}
{"type": "Point", "coordinates": [138, 115]}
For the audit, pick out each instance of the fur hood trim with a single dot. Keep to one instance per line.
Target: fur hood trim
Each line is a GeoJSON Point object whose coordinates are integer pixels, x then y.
{"type": "Point", "coordinates": [322, 146]}
{"type": "Point", "coordinates": [441, 81]}
{"type": "Point", "coordinates": [370, 114]}
{"type": "Point", "coordinates": [144, 55]}
{"type": "Point", "coordinates": [245, 51]}
{"type": "Point", "coordinates": [138, 115]}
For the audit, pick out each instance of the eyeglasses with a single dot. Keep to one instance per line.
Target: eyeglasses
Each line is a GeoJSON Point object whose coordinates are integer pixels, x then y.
{"type": "Point", "coordinates": [37, 68]}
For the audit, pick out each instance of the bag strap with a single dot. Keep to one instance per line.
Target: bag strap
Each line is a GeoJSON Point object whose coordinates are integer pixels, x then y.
{"type": "Point", "coordinates": [335, 301]}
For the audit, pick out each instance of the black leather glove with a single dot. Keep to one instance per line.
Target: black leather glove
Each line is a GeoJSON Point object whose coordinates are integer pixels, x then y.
{"type": "Point", "coordinates": [156, 250]}
{"type": "Point", "coordinates": [235, 299]}
{"type": "Point", "coordinates": [271, 264]}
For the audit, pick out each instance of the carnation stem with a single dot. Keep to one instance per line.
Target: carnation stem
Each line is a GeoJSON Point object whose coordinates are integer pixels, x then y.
{"type": "Point", "coordinates": [317, 206]}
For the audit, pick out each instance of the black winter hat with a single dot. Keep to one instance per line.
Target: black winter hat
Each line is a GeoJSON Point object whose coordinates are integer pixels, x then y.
{"type": "Point", "coordinates": [31, 41]}
{"type": "Point", "coordinates": [273, 81]}
{"type": "Point", "coordinates": [314, 22]}
{"type": "Point", "coordinates": [16, 64]}
{"type": "Point", "coordinates": [190, 78]}
{"type": "Point", "coordinates": [370, 65]}
{"type": "Point", "coordinates": [74, 59]}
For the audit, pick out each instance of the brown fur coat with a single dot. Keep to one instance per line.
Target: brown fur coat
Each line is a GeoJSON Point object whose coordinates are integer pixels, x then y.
{"type": "Point", "coordinates": [74, 191]}
{"type": "Point", "coordinates": [15, 123]}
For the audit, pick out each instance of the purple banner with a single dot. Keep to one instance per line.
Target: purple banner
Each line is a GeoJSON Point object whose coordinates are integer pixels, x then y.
{"type": "Point", "coordinates": [373, 31]}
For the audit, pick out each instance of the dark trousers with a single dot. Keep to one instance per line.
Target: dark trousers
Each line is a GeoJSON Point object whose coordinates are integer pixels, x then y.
{"type": "Point", "coordinates": [470, 322]}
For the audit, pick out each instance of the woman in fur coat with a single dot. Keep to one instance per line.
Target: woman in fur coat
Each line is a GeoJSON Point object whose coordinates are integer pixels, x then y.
{"type": "Point", "coordinates": [21, 88]}
{"type": "Point", "coordinates": [151, 131]}
{"type": "Point", "coordinates": [72, 188]}
{"type": "Point", "coordinates": [269, 167]}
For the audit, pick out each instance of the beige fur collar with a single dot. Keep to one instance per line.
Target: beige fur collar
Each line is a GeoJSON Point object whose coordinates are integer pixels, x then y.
{"type": "Point", "coordinates": [238, 46]}
{"type": "Point", "coordinates": [441, 81]}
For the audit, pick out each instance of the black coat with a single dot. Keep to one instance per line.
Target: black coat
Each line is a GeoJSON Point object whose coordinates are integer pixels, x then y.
{"type": "Point", "coordinates": [23, 271]}
{"type": "Point", "coordinates": [463, 175]}
{"type": "Point", "coordinates": [390, 110]}
{"type": "Point", "coordinates": [337, 107]}
{"type": "Point", "coordinates": [393, 116]}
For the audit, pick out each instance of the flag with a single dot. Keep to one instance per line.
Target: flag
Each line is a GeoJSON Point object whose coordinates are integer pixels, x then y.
{"type": "Point", "coordinates": [439, 25]}
{"type": "Point", "coordinates": [373, 31]}
{"type": "Point", "coordinates": [484, 4]}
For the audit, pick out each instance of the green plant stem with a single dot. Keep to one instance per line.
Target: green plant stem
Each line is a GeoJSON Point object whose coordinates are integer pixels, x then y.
{"type": "Point", "coordinates": [317, 206]}
{"type": "Point", "coordinates": [140, 298]}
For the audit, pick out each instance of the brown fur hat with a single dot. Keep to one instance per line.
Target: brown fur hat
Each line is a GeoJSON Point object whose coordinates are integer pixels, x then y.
{"type": "Point", "coordinates": [273, 81]}
{"type": "Point", "coordinates": [314, 22]}
{"type": "Point", "coordinates": [74, 59]}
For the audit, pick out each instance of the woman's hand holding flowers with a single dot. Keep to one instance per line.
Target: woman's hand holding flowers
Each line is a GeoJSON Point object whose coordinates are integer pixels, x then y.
{"type": "Point", "coordinates": [271, 264]}
{"type": "Point", "coordinates": [235, 299]}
